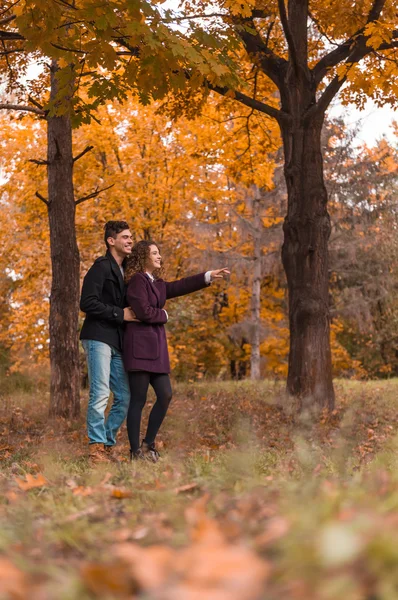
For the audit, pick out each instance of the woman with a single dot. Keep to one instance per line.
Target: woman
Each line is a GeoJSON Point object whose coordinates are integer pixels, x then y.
{"type": "Point", "coordinates": [145, 352]}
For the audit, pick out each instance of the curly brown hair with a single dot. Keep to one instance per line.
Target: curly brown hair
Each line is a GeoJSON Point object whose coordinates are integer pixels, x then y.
{"type": "Point", "coordinates": [135, 262]}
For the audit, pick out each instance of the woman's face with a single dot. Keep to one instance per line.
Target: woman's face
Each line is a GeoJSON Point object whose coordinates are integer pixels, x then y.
{"type": "Point", "coordinates": [154, 260]}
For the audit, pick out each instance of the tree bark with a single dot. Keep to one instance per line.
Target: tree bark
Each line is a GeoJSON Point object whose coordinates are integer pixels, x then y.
{"type": "Point", "coordinates": [255, 373]}
{"type": "Point", "coordinates": [305, 260]}
{"type": "Point", "coordinates": [64, 299]}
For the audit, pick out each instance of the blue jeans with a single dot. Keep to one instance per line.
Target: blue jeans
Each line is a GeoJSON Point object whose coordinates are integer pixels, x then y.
{"type": "Point", "coordinates": [105, 373]}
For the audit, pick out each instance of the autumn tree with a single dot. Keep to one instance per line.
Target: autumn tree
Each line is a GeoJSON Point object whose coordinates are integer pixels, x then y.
{"type": "Point", "coordinates": [95, 52]}
{"type": "Point", "coordinates": [165, 179]}
{"type": "Point", "coordinates": [364, 251]}
{"type": "Point", "coordinates": [307, 51]}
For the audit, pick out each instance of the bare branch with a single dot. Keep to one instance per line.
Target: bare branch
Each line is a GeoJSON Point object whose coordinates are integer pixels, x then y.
{"type": "Point", "coordinates": [35, 103]}
{"type": "Point", "coordinates": [288, 34]}
{"type": "Point", "coordinates": [87, 149]}
{"type": "Point", "coordinates": [327, 96]}
{"type": "Point", "coordinates": [391, 45]}
{"type": "Point", "coordinates": [8, 19]}
{"type": "Point", "coordinates": [7, 52]}
{"type": "Point", "coordinates": [65, 3]}
{"type": "Point", "coordinates": [38, 162]}
{"type": "Point", "coordinates": [87, 73]}
{"type": "Point", "coordinates": [93, 195]}
{"type": "Point", "coordinates": [271, 64]}
{"type": "Point", "coordinates": [10, 35]}
{"type": "Point", "coordinates": [177, 19]}
{"type": "Point", "coordinates": [37, 111]}
{"type": "Point", "coordinates": [277, 114]}
{"type": "Point", "coordinates": [343, 51]}
{"type": "Point", "coordinates": [375, 11]}
{"type": "Point", "coordinates": [3, 12]}
{"type": "Point", "coordinates": [334, 86]}
{"type": "Point", "coordinates": [74, 50]}
{"type": "Point", "coordinates": [43, 199]}
{"type": "Point", "coordinates": [133, 50]}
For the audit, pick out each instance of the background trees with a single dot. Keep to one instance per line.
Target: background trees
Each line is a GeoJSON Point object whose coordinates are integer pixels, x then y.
{"type": "Point", "coordinates": [304, 53]}
{"type": "Point", "coordinates": [88, 53]}
{"type": "Point", "coordinates": [222, 168]}
{"type": "Point", "coordinates": [179, 184]}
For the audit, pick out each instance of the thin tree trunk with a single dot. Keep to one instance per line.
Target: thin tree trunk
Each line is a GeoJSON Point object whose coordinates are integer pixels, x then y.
{"type": "Point", "coordinates": [64, 300]}
{"type": "Point", "coordinates": [305, 259]}
{"type": "Point", "coordinates": [255, 372]}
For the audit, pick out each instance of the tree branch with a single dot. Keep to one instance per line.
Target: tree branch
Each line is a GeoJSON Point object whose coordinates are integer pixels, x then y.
{"type": "Point", "coordinates": [334, 86]}
{"type": "Point", "coordinates": [391, 45]}
{"type": "Point", "coordinates": [37, 111]}
{"type": "Point", "coordinates": [38, 162]}
{"type": "Point", "coordinates": [327, 96]}
{"type": "Point", "coordinates": [8, 19]}
{"type": "Point", "coordinates": [3, 12]}
{"type": "Point", "coordinates": [133, 51]}
{"type": "Point", "coordinates": [250, 102]}
{"type": "Point", "coordinates": [93, 195]}
{"type": "Point", "coordinates": [73, 50]}
{"type": "Point", "coordinates": [86, 149]}
{"type": "Point", "coordinates": [43, 199]}
{"type": "Point", "coordinates": [343, 50]}
{"type": "Point", "coordinates": [271, 64]}
{"type": "Point", "coordinates": [35, 103]}
{"type": "Point", "coordinates": [7, 52]}
{"type": "Point", "coordinates": [10, 35]}
{"type": "Point", "coordinates": [288, 34]}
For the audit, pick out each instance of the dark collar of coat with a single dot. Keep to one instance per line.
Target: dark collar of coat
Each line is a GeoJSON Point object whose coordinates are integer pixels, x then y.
{"type": "Point", "coordinates": [116, 269]}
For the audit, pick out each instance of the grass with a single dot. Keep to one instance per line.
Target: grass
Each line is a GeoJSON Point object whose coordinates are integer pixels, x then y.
{"type": "Point", "coordinates": [241, 478]}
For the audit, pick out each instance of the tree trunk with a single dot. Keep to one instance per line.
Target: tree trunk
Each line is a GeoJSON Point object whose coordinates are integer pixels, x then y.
{"type": "Point", "coordinates": [255, 373]}
{"type": "Point", "coordinates": [305, 260]}
{"type": "Point", "coordinates": [64, 300]}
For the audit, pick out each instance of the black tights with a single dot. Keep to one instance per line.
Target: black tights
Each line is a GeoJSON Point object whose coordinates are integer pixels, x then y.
{"type": "Point", "coordinates": [139, 383]}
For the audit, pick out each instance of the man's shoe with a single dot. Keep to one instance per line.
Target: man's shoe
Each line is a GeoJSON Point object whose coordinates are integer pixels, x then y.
{"type": "Point", "coordinates": [111, 453]}
{"type": "Point", "coordinates": [150, 452]}
{"type": "Point", "coordinates": [97, 454]}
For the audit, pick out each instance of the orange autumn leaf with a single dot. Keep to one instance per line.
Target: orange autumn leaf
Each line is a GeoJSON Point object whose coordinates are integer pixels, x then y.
{"type": "Point", "coordinates": [13, 582]}
{"type": "Point", "coordinates": [31, 481]}
{"type": "Point", "coordinates": [121, 493]}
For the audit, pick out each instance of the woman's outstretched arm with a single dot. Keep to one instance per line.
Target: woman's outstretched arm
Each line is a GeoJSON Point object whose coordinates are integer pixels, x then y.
{"type": "Point", "coordinates": [187, 285]}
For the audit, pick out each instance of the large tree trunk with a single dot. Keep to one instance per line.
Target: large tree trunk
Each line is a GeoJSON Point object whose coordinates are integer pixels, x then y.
{"type": "Point", "coordinates": [64, 300]}
{"type": "Point", "coordinates": [305, 259]}
{"type": "Point", "coordinates": [255, 372]}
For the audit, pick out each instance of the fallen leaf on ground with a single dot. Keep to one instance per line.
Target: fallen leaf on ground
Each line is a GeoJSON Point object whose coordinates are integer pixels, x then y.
{"type": "Point", "coordinates": [83, 513]}
{"type": "Point", "coordinates": [80, 490]}
{"type": "Point", "coordinates": [13, 582]}
{"type": "Point", "coordinates": [186, 488]}
{"type": "Point", "coordinates": [149, 567]}
{"type": "Point", "coordinates": [31, 481]}
{"type": "Point", "coordinates": [121, 493]}
{"type": "Point", "coordinates": [105, 582]}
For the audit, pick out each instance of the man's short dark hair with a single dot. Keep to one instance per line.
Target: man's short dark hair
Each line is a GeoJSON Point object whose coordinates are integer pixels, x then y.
{"type": "Point", "coordinates": [112, 228]}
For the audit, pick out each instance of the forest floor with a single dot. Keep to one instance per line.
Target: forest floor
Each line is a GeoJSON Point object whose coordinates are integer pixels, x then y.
{"type": "Point", "coordinates": [249, 501]}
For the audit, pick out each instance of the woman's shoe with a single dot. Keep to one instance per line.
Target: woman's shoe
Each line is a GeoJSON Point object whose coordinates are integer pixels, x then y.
{"type": "Point", "coordinates": [137, 455]}
{"type": "Point", "coordinates": [149, 451]}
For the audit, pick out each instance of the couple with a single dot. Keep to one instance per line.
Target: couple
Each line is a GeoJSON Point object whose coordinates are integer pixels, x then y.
{"type": "Point", "coordinates": [124, 340]}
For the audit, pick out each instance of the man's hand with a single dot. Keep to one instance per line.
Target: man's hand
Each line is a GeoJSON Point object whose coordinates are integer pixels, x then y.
{"type": "Point", "coordinates": [219, 274]}
{"type": "Point", "coordinates": [129, 314]}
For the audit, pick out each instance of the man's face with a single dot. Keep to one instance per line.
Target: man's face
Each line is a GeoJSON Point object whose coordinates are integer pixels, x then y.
{"type": "Point", "coordinates": [122, 243]}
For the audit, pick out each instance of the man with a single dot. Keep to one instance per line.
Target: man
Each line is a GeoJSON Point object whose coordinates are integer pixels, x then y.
{"type": "Point", "coordinates": [103, 301]}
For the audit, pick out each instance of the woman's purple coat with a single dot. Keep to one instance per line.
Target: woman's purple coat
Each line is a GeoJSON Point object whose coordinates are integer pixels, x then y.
{"type": "Point", "coordinates": [145, 344]}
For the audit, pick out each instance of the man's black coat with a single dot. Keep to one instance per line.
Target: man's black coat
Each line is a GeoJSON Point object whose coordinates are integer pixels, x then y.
{"type": "Point", "coordinates": [103, 299]}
